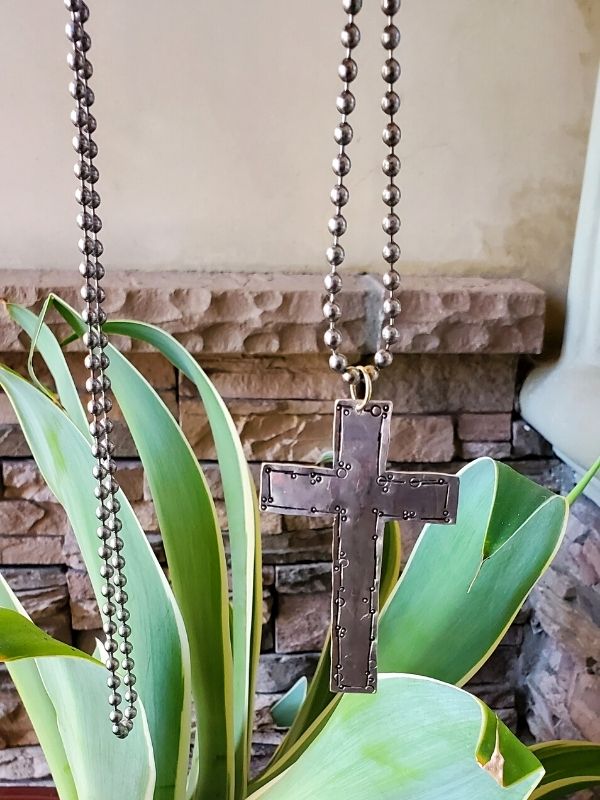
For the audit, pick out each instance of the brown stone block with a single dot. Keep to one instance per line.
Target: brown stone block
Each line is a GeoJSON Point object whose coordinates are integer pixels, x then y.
{"type": "Point", "coordinates": [131, 480]}
{"type": "Point", "coordinates": [15, 727]}
{"type": "Point", "coordinates": [270, 432]}
{"type": "Point", "coordinates": [19, 517]}
{"type": "Point", "coordinates": [421, 438]}
{"type": "Point", "coordinates": [302, 622]}
{"type": "Point", "coordinates": [84, 608]}
{"type": "Point", "coordinates": [484, 427]}
{"type": "Point", "coordinates": [24, 765]}
{"type": "Point", "coordinates": [12, 442]}
{"type": "Point", "coordinates": [497, 450]}
{"type": "Point", "coordinates": [31, 550]}
{"type": "Point", "coordinates": [278, 673]}
{"type": "Point", "coordinates": [415, 383]}
{"type": "Point", "coordinates": [303, 578]}
{"type": "Point", "coordinates": [22, 479]}
{"type": "Point", "coordinates": [289, 548]}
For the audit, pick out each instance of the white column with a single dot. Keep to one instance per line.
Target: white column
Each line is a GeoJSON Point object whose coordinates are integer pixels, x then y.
{"type": "Point", "coordinates": [562, 400]}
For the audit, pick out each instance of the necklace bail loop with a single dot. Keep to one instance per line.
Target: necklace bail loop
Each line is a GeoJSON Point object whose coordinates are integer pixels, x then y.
{"type": "Point", "coordinates": [368, 384]}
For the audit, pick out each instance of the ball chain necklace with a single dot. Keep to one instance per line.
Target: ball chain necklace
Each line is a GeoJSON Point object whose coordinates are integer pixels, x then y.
{"type": "Point", "coordinates": [97, 385]}
{"type": "Point", "coordinates": [358, 490]}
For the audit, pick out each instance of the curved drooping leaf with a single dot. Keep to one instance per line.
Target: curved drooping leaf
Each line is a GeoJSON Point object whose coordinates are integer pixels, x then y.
{"type": "Point", "coordinates": [161, 648]}
{"type": "Point", "coordinates": [439, 620]}
{"type": "Point", "coordinates": [284, 711]}
{"type": "Point", "coordinates": [39, 707]}
{"type": "Point", "coordinates": [21, 638]}
{"type": "Point", "coordinates": [319, 695]}
{"type": "Point", "coordinates": [78, 689]}
{"type": "Point", "coordinates": [244, 534]}
{"type": "Point", "coordinates": [415, 738]}
{"type": "Point", "coordinates": [570, 766]}
{"type": "Point", "coordinates": [44, 340]}
{"type": "Point", "coordinates": [195, 554]}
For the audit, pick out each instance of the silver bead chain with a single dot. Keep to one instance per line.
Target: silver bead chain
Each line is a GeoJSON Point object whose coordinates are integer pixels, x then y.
{"type": "Point", "coordinates": [341, 164]}
{"type": "Point", "coordinates": [98, 383]}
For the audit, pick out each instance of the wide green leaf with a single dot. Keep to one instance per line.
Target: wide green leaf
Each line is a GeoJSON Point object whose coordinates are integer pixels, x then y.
{"type": "Point", "coordinates": [439, 620]}
{"type": "Point", "coordinates": [416, 738]}
{"type": "Point", "coordinates": [196, 557]}
{"type": "Point", "coordinates": [21, 638]}
{"type": "Point", "coordinates": [161, 648]}
{"type": "Point", "coordinates": [570, 766]}
{"type": "Point", "coordinates": [78, 690]}
{"type": "Point", "coordinates": [40, 708]}
{"type": "Point", "coordinates": [244, 534]}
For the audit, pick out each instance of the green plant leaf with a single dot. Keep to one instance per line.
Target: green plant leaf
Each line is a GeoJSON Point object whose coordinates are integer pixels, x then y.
{"type": "Point", "coordinates": [196, 558]}
{"type": "Point", "coordinates": [78, 689]}
{"type": "Point", "coordinates": [21, 638]}
{"type": "Point", "coordinates": [284, 711]}
{"type": "Point", "coordinates": [415, 738]}
{"type": "Point", "coordinates": [63, 456]}
{"type": "Point", "coordinates": [570, 766]}
{"type": "Point", "coordinates": [440, 622]}
{"type": "Point", "coordinates": [39, 707]}
{"type": "Point", "coordinates": [244, 534]}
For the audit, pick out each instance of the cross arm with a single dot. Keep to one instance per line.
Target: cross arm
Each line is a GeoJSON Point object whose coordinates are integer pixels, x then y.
{"type": "Point", "coordinates": [298, 489]}
{"type": "Point", "coordinates": [426, 496]}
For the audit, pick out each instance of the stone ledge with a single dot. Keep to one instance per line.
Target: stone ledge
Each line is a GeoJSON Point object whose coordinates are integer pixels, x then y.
{"type": "Point", "coordinates": [266, 314]}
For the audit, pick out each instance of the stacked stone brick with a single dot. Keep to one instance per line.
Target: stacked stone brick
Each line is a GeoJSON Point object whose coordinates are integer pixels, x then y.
{"type": "Point", "coordinates": [453, 386]}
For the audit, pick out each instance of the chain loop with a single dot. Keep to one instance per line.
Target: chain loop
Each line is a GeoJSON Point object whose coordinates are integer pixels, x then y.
{"type": "Point", "coordinates": [341, 164]}
{"type": "Point", "coordinates": [98, 383]}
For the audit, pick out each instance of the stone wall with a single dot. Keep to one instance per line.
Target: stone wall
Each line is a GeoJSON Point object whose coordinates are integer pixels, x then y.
{"type": "Point", "coordinates": [453, 387]}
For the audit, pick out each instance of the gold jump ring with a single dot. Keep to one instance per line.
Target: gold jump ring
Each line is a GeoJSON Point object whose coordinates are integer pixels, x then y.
{"type": "Point", "coordinates": [368, 382]}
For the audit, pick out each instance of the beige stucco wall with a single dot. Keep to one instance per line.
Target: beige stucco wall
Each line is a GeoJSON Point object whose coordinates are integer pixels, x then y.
{"type": "Point", "coordinates": [215, 124]}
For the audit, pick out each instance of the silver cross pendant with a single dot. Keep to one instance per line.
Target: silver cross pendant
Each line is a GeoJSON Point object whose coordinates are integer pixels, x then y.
{"type": "Point", "coordinates": [361, 495]}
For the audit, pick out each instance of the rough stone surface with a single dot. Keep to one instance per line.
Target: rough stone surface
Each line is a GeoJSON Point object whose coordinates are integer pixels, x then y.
{"type": "Point", "coordinates": [23, 766]}
{"type": "Point", "coordinates": [415, 383]}
{"type": "Point", "coordinates": [302, 622]}
{"type": "Point", "coordinates": [278, 673]}
{"type": "Point", "coordinates": [561, 660]}
{"type": "Point", "coordinates": [484, 427]}
{"type": "Point", "coordinates": [283, 430]}
{"type": "Point", "coordinates": [265, 314]}
{"type": "Point", "coordinates": [497, 450]}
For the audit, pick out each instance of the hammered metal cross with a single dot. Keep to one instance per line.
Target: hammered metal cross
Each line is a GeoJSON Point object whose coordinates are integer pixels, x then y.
{"type": "Point", "coordinates": [361, 495]}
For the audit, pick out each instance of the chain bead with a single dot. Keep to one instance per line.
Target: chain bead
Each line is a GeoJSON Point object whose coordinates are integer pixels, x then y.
{"type": "Point", "coordinates": [391, 195]}
{"type": "Point", "coordinates": [348, 70]}
{"type": "Point", "coordinates": [332, 337]}
{"type": "Point", "coordinates": [383, 359]}
{"type": "Point", "coordinates": [335, 255]}
{"type": "Point", "coordinates": [341, 164]}
{"type": "Point", "coordinates": [333, 283]}
{"type": "Point", "coordinates": [391, 134]}
{"type": "Point", "coordinates": [391, 224]}
{"type": "Point", "coordinates": [352, 6]}
{"type": "Point", "coordinates": [345, 102]}
{"type": "Point", "coordinates": [350, 36]}
{"type": "Point", "coordinates": [390, 72]}
{"type": "Point", "coordinates": [338, 362]}
{"type": "Point", "coordinates": [343, 133]}
{"type": "Point", "coordinates": [391, 166]}
{"type": "Point", "coordinates": [390, 38]}
{"type": "Point", "coordinates": [337, 225]}
{"type": "Point", "coordinates": [390, 7]}
{"type": "Point", "coordinates": [339, 195]}
{"type": "Point", "coordinates": [390, 103]}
